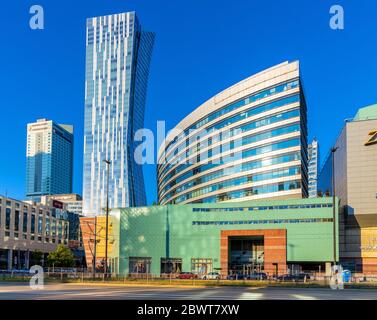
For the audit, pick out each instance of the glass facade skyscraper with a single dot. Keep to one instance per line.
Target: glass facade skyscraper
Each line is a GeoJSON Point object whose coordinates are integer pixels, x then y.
{"type": "Point", "coordinates": [313, 163]}
{"type": "Point", "coordinates": [118, 55]}
{"type": "Point", "coordinates": [248, 142]}
{"type": "Point", "coordinates": [49, 159]}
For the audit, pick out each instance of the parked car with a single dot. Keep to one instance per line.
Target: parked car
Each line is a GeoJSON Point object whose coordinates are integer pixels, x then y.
{"type": "Point", "coordinates": [187, 275]}
{"type": "Point", "coordinates": [286, 277]}
{"type": "Point", "coordinates": [293, 277]}
{"type": "Point", "coordinates": [257, 276]}
{"type": "Point", "coordinates": [236, 276]}
{"type": "Point", "coordinates": [302, 276]}
{"type": "Point", "coordinates": [211, 276]}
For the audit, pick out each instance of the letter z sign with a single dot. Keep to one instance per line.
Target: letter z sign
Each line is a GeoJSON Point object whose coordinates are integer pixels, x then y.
{"type": "Point", "coordinates": [372, 138]}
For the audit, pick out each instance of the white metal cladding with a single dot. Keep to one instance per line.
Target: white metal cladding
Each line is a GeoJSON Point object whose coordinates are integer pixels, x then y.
{"type": "Point", "coordinates": [267, 78]}
{"type": "Point", "coordinates": [170, 191]}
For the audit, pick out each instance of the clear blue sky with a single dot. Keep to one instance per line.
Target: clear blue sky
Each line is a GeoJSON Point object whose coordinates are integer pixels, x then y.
{"type": "Point", "coordinates": [202, 47]}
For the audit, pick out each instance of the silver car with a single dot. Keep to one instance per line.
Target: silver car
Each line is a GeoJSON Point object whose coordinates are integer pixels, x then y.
{"type": "Point", "coordinates": [211, 276]}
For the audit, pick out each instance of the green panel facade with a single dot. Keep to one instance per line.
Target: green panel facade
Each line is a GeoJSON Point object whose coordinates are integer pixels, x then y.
{"type": "Point", "coordinates": [193, 231]}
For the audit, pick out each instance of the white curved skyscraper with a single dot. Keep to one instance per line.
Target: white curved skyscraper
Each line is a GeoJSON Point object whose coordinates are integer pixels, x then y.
{"type": "Point", "coordinates": [118, 55]}
{"type": "Point", "coordinates": [247, 142]}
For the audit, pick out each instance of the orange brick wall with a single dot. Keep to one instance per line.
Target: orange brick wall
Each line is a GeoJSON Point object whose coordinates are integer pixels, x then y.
{"type": "Point", "coordinates": [275, 248]}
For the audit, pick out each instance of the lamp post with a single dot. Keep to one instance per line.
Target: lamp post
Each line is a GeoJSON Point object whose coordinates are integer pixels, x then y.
{"type": "Point", "coordinates": [107, 215]}
{"type": "Point", "coordinates": [95, 248]}
{"type": "Point", "coordinates": [333, 150]}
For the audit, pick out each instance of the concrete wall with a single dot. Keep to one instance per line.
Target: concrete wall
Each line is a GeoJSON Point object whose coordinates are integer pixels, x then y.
{"type": "Point", "coordinates": [361, 170]}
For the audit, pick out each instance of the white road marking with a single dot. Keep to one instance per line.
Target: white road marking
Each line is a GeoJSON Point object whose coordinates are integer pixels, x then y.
{"type": "Point", "coordinates": [251, 296]}
{"type": "Point", "coordinates": [303, 297]}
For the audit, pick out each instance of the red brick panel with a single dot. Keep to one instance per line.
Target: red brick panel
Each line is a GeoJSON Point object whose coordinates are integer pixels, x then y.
{"type": "Point", "coordinates": [275, 248]}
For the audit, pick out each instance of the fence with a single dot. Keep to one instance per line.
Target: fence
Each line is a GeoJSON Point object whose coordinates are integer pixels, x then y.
{"type": "Point", "coordinates": [82, 275]}
{"type": "Point", "coordinates": [318, 278]}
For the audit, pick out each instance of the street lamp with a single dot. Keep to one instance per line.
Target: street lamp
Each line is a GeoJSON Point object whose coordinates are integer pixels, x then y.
{"type": "Point", "coordinates": [95, 248]}
{"type": "Point", "coordinates": [333, 150]}
{"type": "Point", "coordinates": [107, 215]}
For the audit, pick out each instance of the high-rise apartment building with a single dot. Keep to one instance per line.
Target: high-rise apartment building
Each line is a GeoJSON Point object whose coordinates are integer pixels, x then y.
{"type": "Point", "coordinates": [248, 142]}
{"type": "Point", "coordinates": [313, 162]}
{"type": "Point", "coordinates": [49, 159]}
{"type": "Point", "coordinates": [118, 55]}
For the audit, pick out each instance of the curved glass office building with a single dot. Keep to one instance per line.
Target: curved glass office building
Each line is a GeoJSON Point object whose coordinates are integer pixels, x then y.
{"type": "Point", "coordinates": [248, 142]}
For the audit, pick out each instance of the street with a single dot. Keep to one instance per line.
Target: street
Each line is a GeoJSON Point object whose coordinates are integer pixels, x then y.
{"type": "Point", "coordinates": [14, 291]}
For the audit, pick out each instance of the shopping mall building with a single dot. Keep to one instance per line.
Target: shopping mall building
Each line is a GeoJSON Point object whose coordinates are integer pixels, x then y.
{"type": "Point", "coordinates": [355, 163]}
{"type": "Point", "coordinates": [272, 236]}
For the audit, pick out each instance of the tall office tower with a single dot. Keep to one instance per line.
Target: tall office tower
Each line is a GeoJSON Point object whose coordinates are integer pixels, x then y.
{"type": "Point", "coordinates": [248, 142]}
{"type": "Point", "coordinates": [118, 55]}
{"type": "Point", "coordinates": [49, 159]}
{"type": "Point", "coordinates": [313, 156]}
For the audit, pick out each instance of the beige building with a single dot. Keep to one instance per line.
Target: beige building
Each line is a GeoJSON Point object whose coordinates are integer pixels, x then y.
{"type": "Point", "coordinates": [356, 186]}
{"type": "Point", "coordinates": [71, 202]}
{"type": "Point", "coordinates": [26, 229]}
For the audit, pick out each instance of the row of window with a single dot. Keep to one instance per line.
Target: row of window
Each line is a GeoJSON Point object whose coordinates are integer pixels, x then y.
{"type": "Point", "coordinates": [263, 208]}
{"type": "Point", "coordinates": [230, 146]}
{"type": "Point", "coordinates": [238, 117]}
{"type": "Point", "coordinates": [273, 221]}
{"type": "Point", "coordinates": [170, 265]}
{"type": "Point", "coordinates": [233, 132]}
{"type": "Point", "coordinates": [247, 100]}
{"type": "Point", "coordinates": [245, 154]}
{"type": "Point", "coordinates": [274, 174]}
{"type": "Point", "coordinates": [51, 227]}
{"type": "Point", "coordinates": [247, 166]}
{"type": "Point", "coordinates": [252, 191]}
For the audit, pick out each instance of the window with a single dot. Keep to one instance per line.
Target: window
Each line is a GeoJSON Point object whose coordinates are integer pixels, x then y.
{"type": "Point", "coordinates": [16, 220]}
{"type": "Point", "coordinates": [7, 218]}
{"type": "Point", "coordinates": [171, 265]}
{"type": "Point", "coordinates": [40, 223]}
{"type": "Point", "coordinates": [24, 222]}
{"type": "Point", "coordinates": [47, 229]}
{"type": "Point", "coordinates": [140, 264]}
{"type": "Point", "coordinates": [32, 229]}
{"type": "Point", "coordinates": [53, 228]}
{"type": "Point", "coordinates": [201, 266]}
{"type": "Point", "coordinates": [314, 220]}
{"type": "Point", "coordinates": [60, 228]}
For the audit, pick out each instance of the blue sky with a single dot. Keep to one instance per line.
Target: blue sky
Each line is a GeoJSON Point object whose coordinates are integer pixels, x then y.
{"type": "Point", "coordinates": [202, 47]}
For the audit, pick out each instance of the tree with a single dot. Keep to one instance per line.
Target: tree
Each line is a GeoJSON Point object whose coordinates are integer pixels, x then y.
{"type": "Point", "coordinates": [37, 256]}
{"type": "Point", "coordinates": [61, 257]}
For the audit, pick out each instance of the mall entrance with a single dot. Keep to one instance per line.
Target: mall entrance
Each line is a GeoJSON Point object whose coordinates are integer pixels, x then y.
{"type": "Point", "coordinates": [246, 254]}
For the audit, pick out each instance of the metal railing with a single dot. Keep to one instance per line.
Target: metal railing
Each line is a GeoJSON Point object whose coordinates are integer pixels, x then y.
{"type": "Point", "coordinates": [82, 275]}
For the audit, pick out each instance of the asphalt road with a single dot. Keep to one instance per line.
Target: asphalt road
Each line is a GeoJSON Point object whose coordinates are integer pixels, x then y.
{"type": "Point", "coordinates": [12, 291]}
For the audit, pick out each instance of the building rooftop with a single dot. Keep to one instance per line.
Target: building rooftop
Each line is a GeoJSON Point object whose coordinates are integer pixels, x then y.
{"type": "Point", "coordinates": [366, 113]}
